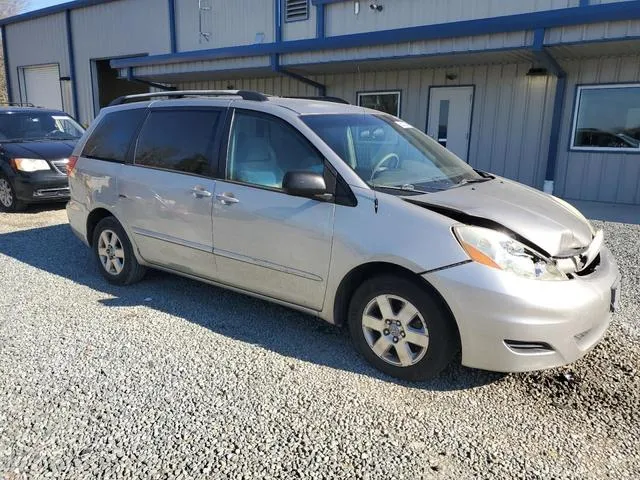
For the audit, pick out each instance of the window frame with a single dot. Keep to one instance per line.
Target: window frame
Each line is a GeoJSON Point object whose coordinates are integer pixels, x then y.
{"type": "Point", "coordinates": [348, 199]}
{"type": "Point", "coordinates": [366, 93]}
{"type": "Point", "coordinates": [128, 159]}
{"type": "Point", "coordinates": [576, 111]}
{"type": "Point", "coordinates": [224, 150]}
{"type": "Point", "coordinates": [214, 161]}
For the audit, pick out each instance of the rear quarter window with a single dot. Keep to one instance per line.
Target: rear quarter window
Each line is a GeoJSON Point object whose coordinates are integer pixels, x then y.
{"type": "Point", "coordinates": [179, 140]}
{"type": "Point", "coordinates": [112, 138]}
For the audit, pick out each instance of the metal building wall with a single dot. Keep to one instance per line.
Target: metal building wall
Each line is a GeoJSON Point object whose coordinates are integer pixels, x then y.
{"type": "Point", "coordinates": [115, 29]}
{"type": "Point", "coordinates": [498, 41]}
{"type": "Point", "coordinates": [26, 46]}
{"type": "Point", "coordinates": [606, 177]}
{"type": "Point", "coordinates": [341, 18]}
{"type": "Point", "coordinates": [241, 22]}
{"type": "Point", "coordinates": [593, 32]}
{"type": "Point", "coordinates": [300, 29]}
{"type": "Point", "coordinates": [205, 68]}
{"type": "Point", "coordinates": [511, 119]}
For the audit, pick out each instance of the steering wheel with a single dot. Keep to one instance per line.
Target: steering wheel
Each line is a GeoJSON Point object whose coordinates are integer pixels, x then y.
{"type": "Point", "coordinates": [382, 161]}
{"type": "Point", "coordinates": [55, 133]}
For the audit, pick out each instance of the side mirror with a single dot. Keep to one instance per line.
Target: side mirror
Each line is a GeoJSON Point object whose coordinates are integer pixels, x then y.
{"type": "Point", "coordinates": [305, 184]}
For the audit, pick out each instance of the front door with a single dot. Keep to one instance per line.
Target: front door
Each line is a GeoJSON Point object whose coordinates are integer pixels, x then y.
{"type": "Point", "coordinates": [450, 118]}
{"type": "Point", "coordinates": [265, 240]}
{"type": "Point", "coordinates": [166, 195]}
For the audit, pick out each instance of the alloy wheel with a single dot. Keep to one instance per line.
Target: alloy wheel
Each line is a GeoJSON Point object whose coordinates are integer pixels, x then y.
{"type": "Point", "coordinates": [6, 194]}
{"type": "Point", "coordinates": [111, 252]}
{"type": "Point", "coordinates": [395, 330]}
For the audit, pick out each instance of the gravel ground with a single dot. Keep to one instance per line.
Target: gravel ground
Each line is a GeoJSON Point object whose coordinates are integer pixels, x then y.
{"type": "Point", "coordinates": [175, 379]}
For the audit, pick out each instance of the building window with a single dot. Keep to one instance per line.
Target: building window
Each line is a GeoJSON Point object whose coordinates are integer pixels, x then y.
{"type": "Point", "coordinates": [387, 102]}
{"type": "Point", "coordinates": [607, 118]}
{"type": "Point", "coordinates": [296, 10]}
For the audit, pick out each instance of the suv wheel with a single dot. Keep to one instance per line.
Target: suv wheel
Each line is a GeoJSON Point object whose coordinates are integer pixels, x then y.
{"type": "Point", "coordinates": [401, 328]}
{"type": "Point", "coordinates": [113, 250]}
{"type": "Point", "coordinates": [8, 200]}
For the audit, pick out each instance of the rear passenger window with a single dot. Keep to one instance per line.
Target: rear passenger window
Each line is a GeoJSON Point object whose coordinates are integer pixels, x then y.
{"type": "Point", "coordinates": [178, 140]}
{"type": "Point", "coordinates": [263, 148]}
{"type": "Point", "coordinates": [112, 137]}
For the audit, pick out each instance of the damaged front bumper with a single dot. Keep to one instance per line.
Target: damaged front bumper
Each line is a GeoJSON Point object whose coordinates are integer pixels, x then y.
{"type": "Point", "coordinates": [512, 324]}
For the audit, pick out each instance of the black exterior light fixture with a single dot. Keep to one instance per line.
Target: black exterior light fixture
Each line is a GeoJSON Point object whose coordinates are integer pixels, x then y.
{"type": "Point", "coordinates": [537, 72]}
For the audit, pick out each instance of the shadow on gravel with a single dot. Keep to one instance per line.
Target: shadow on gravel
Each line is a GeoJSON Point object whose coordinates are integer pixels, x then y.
{"type": "Point", "coordinates": [44, 207]}
{"type": "Point", "coordinates": [56, 250]}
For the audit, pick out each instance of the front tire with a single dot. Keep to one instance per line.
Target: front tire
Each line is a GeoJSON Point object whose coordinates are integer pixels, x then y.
{"type": "Point", "coordinates": [8, 200]}
{"type": "Point", "coordinates": [114, 253]}
{"type": "Point", "coordinates": [402, 328]}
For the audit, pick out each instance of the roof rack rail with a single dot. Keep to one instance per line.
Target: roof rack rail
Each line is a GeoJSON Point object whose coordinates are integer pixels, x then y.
{"type": "Point", "coordinates": [323, 99]}
{"type": "Point", "coordinates": [18, 104]}
{"type": "Point", "coordinates": [244, 94]}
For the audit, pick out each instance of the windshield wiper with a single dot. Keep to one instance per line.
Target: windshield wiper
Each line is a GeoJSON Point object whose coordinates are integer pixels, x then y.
{"type": "Point", "coordinates": [467, 181]}
{"type": "Point", "coordinates": [407, 189]}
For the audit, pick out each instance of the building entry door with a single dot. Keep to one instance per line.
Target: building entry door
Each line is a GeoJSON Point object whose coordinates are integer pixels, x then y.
{"type": "Point", "coordinates": [449, 119]}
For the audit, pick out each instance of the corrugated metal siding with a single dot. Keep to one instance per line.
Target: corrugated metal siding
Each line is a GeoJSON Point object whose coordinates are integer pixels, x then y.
{"type": "Point", "coordinates": [512, 112]}
{"type": "Point", "coordinates": [606, 177]}
{"type": "Point", "coordinates": [301, 29]}
{"type": "Point", "coordinates": [203, 66]}
{"type": "Point", "coordinates": [243, 23]}
{"type": "Point", "coordinates": [405, 13]}
{"type": "Point", "coordinates": [35, 42]}
{"type": "Point", "coordinates": [431, 47]}
{"type": "Point", "coordinates": [114, 30]}
{"type": "Point", "coordinates": [595, 31]}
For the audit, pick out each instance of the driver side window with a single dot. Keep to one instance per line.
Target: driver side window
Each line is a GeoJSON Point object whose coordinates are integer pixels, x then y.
{"type": "Point", "coordinates": [262, 148]}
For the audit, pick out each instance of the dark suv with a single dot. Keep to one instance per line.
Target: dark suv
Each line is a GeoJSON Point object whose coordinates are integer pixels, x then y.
{"type": "Point", "coordinates": [35, 145]}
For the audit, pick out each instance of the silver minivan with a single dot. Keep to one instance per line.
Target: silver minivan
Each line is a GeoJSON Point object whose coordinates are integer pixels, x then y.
{"type": "Point", "coordinates": [347, 214]}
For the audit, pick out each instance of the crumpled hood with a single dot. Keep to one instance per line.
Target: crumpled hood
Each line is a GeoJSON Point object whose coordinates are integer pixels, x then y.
{"type": "Point", "coordinates": [46, 150]}
{"type": "Point", "coordinates": [544, 220]}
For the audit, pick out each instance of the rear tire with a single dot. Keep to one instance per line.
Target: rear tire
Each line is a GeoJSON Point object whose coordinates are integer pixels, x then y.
{"type": "Point", "coordinates": [8, 200]}
{"type": "Point", "coordinates": [402, 328]}
{"type": "Point", "coordinates": [114, 253]}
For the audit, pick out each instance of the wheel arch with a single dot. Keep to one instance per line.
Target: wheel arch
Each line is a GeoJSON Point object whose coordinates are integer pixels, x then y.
{"type": "Point", "coordinates": [361, 273]}
{"type": "Point", "coordinates": [93, 219]}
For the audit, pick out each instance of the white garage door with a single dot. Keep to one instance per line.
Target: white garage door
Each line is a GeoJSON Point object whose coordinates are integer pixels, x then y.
{"type": "Point", "coordinates": [42, 86]}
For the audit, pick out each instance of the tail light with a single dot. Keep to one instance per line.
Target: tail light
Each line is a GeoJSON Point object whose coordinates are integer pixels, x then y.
{"type": "Point", "coordinates": [71, 165]}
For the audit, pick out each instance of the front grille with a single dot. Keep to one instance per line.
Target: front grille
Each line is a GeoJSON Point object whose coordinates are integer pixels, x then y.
{"type": "Point", "coordinates": [60, 165]}
{"type": "Point", "coordinates": [52, 192]}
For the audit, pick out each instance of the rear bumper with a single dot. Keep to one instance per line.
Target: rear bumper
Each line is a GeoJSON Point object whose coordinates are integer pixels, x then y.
{"type": "Point", "coordinates": [78, 215]}
{"type": "Point", "coordinates": [510, 324]}
{"type": "Point", "coordinates": [41, 187]}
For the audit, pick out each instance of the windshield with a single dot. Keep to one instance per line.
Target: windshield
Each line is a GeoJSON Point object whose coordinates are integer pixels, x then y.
{"type": "Point", "coordinates": [390, 154]}
{"type": "Point", "coordinates": [37, 126]}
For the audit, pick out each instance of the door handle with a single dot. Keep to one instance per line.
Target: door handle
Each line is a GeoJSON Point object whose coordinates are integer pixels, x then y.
{"type": "Point", "coordinates": [200, 192]}
{"type": "Point", "coordinates": [227, 198]}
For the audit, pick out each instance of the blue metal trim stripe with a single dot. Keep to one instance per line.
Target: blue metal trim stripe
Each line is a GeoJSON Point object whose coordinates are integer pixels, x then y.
{"type": "Point", "coordinates": [7, 72]}
{"type": "Point", "coordinates": [584, 3]}
{"type": "Point", "coordinates": [538, 39]}
{"type": "Point", "coordinates": [278, 21]}
{"type": "Point", "coordinates": [552, 65]}
{"type": "Point", "coordinates": [72, 64]}
{"type": "Point", "coordinates": [556, 123]}
{"type": "Point", "coordinates": [510, 23]}
{"type": "Point", "coordinates": [172, 26]}
{"type": "Point", "coordinates": [320, 21]}
{"type": "Point", "coordinates": [51, 10]}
